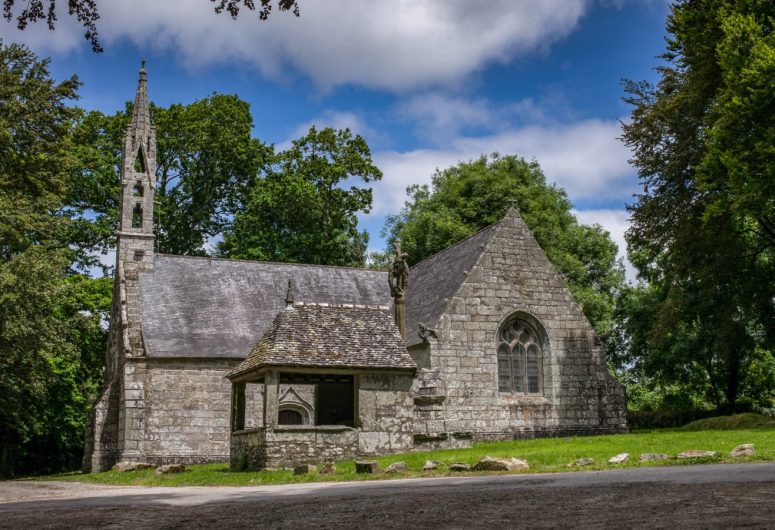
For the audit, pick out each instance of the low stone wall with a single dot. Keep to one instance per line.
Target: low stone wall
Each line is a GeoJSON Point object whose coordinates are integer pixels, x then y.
{"type": "Point", "coordinates": [290, 446]}
{"type": "Point", "coordinates": [248, 449]}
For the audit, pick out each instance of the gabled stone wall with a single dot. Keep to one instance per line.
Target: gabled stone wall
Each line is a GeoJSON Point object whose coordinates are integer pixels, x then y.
{"type": "Point", "coordinates": [513, 276]}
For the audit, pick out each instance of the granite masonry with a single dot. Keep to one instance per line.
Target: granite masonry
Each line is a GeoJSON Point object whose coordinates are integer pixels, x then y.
{"type": "Point", "coordinates": [485, 342]}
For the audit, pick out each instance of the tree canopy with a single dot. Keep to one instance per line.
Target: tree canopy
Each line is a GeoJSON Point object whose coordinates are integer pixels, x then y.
{"type": "Point", "coordinates": [302, 210]}
{"type": "Point", "coordinates": [702, 233]}
{"type": "Point", "coordinates": [207, 161]}
{"type": "Point", "coordinates": [465, 198]}
{"type": "Point", "coordinates": [51, 339]}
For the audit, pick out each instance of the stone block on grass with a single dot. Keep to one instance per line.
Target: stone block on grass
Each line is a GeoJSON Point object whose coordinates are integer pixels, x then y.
{"type": "Point", "coordinates": [170, 468]}
{"type": "Point", "coordinates": [489, 463]}
{"type": "Point", "coordinates": [743, 450]}
{"type": "Point", "coordinates": [132, 466]}
{"type": "Point", "coordinates": [619, 459]}
{"type": "Point", "coordinates": [304, 469]}
{"type": "Point", "coordinates": [696, 454]}
{"type": "Point", "coordinates": [396, 467]}
{"type": "Point", "coordinates": [459, 467]}
{"type": "Point", "coordinates": [366, 466]}
{"type": "Point", "coordinates": [649, 457]}
{"type": "Point", "coordinates": [430, 465]}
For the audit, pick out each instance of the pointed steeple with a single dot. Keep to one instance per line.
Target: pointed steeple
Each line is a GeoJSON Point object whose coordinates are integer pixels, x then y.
{"type": "Point", "coordinates": [138, 180]}
{"type": "Point", "coordinates": [141, 116]}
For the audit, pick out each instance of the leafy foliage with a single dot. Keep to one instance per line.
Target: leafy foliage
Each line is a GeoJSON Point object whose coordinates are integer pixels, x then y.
{"type": "Point", "coordinates": [34, 120]}
{"type": "Point", "coordinates": [86, 13]}
{"type": "Point", "coordinates": [467, 197]}
{"type": "Point", "coordinates": [233, 7]}
{"type": "Point", "coordinates": [702, 235]}
{"type": "Point", "coordinates": [206, 163]}
{"type": "Point", "coordinates": [51, 333]}
{"type": "Point", "coordinates": [301, 211]}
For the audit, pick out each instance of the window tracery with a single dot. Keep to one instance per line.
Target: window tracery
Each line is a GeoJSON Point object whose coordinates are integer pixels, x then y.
{"type": "Point", "coordinates": [519, 358]}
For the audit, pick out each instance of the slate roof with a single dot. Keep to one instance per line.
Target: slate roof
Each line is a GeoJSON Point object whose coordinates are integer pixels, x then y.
{"type": "Point", "coordinates": [209, 307]}
{"type": "Point", "coordinates": [330, 336]}
{"type": "Point", "coordinates": [433, 281]}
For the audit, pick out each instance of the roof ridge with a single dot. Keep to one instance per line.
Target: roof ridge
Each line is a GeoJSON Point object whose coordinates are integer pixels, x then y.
{"type": "Point", "coordinates": [342, 305]}
{"type": "Point", "coordinates": [242, 260]}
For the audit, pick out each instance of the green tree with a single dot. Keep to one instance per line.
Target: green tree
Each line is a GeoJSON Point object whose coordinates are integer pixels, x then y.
{"type": "Point", "coordinates": [206, 162]}
{"type": "Point", "coordinates": [50, 326]}
{"type": "Point", "coordinates": [702, 232]}
{"type": "Point", "coordinates": [301, 211]}
{"type": "Point", "coordinates": [467, 197]}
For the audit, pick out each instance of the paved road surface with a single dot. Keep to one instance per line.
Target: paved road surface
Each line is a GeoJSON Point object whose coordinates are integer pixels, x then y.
{"type": "Point", "coordinates": [703, 496]}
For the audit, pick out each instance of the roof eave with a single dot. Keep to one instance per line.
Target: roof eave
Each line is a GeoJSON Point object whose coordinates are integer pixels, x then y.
{"type": "Point", "coordinates": [252, 373]}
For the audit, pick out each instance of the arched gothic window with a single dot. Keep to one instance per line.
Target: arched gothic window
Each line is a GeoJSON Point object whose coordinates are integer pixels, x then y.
{"type": "Point", "coordinates": [139, 165]}
{"type": "Point", "coordinates": [519, 358]}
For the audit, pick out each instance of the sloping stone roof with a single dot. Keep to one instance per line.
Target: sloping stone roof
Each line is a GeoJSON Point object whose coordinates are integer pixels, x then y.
{"type": "Point", "coordinates": [435, 280]}
{"type": "Point", "coordinates": [330, 336]}
{"type": "Point", "coordinates": [209, 307]}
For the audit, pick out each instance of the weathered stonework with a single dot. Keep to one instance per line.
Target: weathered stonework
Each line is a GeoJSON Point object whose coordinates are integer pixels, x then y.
{"type": "Point", "coordinates": [510, 276]}
{"type": "Point", "coordinates": [180, 324]}
{"type": "Point", "coordinates": [384, 426]}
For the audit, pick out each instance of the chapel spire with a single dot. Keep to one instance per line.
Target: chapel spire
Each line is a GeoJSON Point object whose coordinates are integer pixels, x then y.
{"type": "Point", "coordinates": [138, 179]}
{"type": "Point", "coordinates": [141, 116]}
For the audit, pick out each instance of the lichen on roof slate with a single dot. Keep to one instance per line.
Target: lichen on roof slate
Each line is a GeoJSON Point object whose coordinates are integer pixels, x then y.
{"type": "Point", "coordinates": [434, 281]}
{"type": "Point", "coordinates": [347, 336]}
{"type": "Point", "coordinates": [208, 307]}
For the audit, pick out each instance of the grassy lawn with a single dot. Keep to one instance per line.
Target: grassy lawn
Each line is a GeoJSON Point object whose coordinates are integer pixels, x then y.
{"type": "Point", "coordinates": [546, 455]}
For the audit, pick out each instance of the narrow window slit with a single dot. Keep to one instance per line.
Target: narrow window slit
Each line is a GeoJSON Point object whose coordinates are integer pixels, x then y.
{"type": "Point", "coordinates": [137, 216]}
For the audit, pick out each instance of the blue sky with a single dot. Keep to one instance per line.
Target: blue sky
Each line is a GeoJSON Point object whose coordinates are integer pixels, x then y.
{"type": "Point", "coordinates": [427, 83]}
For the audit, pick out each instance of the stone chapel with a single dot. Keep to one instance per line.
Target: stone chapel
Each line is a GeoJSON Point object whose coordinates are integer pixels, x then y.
{"type": "Point", "coordinates": [275, 364]}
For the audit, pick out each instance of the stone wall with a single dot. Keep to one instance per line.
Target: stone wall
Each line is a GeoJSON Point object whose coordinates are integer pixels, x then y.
{"type": "Point", "coordinates": [101, 439]}
{"type": "Point", "coordinates": [513, 277]}
{"type": "Point", "coordinates": [178, 410]}
{"type": "Point", "coordinates": [384, 424]}
{"type": "Point", "coordinates": [248, 449]}
{"type": "Point", "coordinates": [289, 446]}
{"type": "Point", "coordinates": [385, 413]}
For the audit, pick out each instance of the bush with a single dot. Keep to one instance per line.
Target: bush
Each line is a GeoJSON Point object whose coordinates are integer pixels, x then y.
{"type": "Point", "coordinates": [658, 419]}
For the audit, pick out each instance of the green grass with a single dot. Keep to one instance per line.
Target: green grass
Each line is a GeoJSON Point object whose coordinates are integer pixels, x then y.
{"type": "Point", "coordinates": [545, 455]}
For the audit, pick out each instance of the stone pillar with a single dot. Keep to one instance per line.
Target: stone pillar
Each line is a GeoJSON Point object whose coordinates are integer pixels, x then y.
{"type": "Point", "coordinates": [398, 279]}
{"type": "Point", "coordinates": [271, 398]}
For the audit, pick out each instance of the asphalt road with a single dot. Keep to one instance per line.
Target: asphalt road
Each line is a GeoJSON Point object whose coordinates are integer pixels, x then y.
{"type": "Point", "coordinates": [700, 496]}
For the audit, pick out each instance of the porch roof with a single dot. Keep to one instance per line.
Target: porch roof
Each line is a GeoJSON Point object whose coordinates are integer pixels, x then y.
{"type": "Point", "coordinates": [330, 336]}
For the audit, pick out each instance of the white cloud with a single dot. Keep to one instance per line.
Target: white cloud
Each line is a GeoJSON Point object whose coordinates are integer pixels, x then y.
{"type": "Point", "coordinates": [67, 37]}
{"type": "Point", "coordinates": [396, 45]}
{"type": "Point", "coordinates": [585, 158]}
{"type": "Point", "coordinates": [336, 120]}
{"type": "Point", "coordinates": [616, 222]}
{"type": "Point", "coordinates": [438, 117]}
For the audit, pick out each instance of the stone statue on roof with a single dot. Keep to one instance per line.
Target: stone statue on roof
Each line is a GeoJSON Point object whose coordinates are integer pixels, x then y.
{"type": "Point", "coordinates": [398, 279]}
